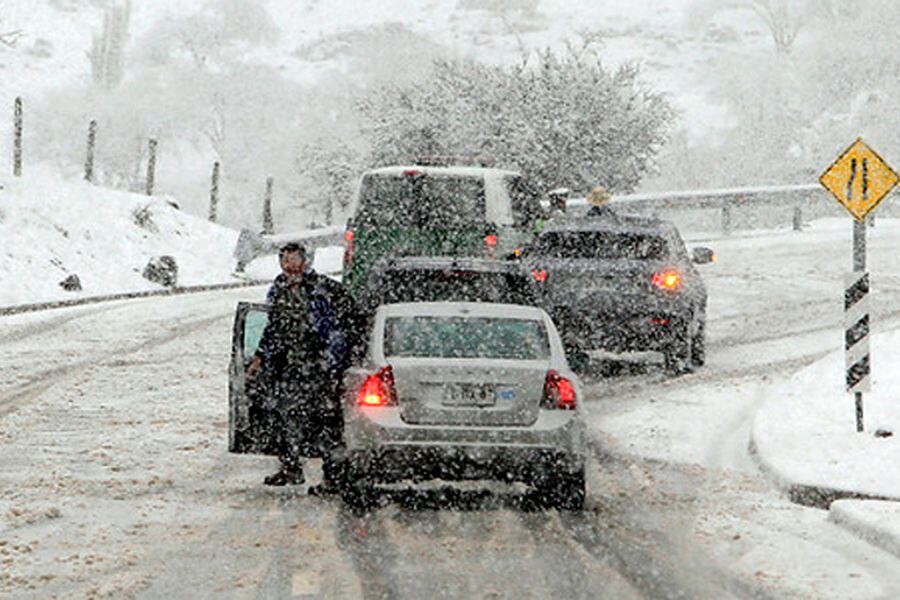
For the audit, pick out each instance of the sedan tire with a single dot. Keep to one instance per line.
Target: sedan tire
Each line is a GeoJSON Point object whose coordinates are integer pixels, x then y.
{"type": "Point", "coordinates": [358, 489]}
{"type": "Point", "coordinates": [564, 491]}
{"type": "Point", "coordinates": [360, 495]}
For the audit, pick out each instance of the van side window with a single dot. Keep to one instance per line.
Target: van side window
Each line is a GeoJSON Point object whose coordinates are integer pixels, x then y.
{"type": "Point", "coordinates": [526, 202]}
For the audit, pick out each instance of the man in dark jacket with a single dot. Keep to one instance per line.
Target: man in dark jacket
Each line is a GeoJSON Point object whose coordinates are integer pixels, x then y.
{"type": "Point", "coordinates": [306, 346]}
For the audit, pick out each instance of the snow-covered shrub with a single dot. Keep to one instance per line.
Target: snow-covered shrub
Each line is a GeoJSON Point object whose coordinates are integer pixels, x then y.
{"type": "Point", "coordinates": [143, 218]}
{"type": "Point", "coordinates": [562, 118]}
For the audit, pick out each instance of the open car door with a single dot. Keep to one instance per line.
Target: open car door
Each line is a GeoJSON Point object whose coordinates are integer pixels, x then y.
{"type": "Point", "coordinates": [249, 421]}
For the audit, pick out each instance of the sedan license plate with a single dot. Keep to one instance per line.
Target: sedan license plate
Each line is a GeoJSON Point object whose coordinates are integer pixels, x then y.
{"type": "Point", "coordinates": [469, 395]}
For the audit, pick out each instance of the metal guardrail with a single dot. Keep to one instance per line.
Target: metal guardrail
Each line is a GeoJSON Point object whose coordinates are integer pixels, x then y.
{"type": "Point", "coordinates": [797, 202]}
{"type": "Point", "coordinates": [251, 246]}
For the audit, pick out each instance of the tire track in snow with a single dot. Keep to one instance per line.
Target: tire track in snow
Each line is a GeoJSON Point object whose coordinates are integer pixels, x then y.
{"type": "Point", "coordinates": [571, 570]}
{"type": "Point", "coordinates": [44, 380]}
{"type": "Point", "coordinates": [362, 536]}
{"type": "Point", "coordinates": [640, 545]}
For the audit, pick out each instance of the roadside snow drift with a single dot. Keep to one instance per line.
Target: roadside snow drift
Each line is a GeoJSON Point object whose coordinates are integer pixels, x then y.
{"type": "Point", "coordinates": [51, 229]}
{"type": "Point", "coordinates": [806, 432]}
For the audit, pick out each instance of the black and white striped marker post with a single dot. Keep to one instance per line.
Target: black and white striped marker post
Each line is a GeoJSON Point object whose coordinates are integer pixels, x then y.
{"type": "Point", "coordinates": [856, 338]}
{"type": "Point", "coordinates": [859, 180]}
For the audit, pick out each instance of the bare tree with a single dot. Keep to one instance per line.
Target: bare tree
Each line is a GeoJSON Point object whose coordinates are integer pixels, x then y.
{"type": "Point", "coordinates": [107, 54]}
{"type": "Point", "coordinates": [784, 19]}
{"type": "Point", "coordinates": [210, 35]}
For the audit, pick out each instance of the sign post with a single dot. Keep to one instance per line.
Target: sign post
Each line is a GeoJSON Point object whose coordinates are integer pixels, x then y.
{"type": "Point", "coordinates": [859, 180]}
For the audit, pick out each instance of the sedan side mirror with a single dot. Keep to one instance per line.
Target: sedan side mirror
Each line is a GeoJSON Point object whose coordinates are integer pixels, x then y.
{"type": "Point", "coordinates": [703, 256]}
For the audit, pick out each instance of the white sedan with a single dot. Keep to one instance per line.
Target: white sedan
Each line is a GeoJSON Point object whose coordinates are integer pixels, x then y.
{"type": "Point", "coordinates": [457, 391]}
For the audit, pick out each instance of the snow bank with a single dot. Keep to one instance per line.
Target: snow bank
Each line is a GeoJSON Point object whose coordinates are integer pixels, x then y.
{"type": "Point", "coordinates": [51, 229]}
{"type": "Point", "coordinates": [875, 521]}
{"type": "Point", "coordinates": [806, 433]}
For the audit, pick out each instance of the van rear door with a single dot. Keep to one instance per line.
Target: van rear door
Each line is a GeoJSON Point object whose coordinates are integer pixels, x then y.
{"type": "Point", "coordinates": [416, 214]}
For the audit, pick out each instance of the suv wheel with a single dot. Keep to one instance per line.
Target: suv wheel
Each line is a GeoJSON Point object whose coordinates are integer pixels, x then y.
{"type": "Point", "coordinates": [358, 489]}
{"type": "Point", "coordinates": [698, 346]}
{"type": "Point", "coordinates": [678, 356]}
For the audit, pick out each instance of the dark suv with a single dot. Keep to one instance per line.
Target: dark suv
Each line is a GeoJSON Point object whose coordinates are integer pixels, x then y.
{"type": "Point", "coordinates": [623, 284]}
{"type": "Point", "coordinates": [459, 279]}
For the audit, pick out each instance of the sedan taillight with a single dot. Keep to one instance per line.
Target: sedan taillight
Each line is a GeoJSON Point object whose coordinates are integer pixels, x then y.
{"type": "Point", "coordinates": [378, 389]}
{"type": "Point", "coordinates": [558, 392]}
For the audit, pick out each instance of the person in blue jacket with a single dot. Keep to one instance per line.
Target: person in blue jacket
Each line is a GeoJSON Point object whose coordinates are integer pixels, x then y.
{"type": "Point", "coordinates": [313, 328]}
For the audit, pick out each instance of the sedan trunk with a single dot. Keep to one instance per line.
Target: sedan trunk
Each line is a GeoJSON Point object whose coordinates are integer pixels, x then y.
{"type": "Point", "coordinates": [469, 392]}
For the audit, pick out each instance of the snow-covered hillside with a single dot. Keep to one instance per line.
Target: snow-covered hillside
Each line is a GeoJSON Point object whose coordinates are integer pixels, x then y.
{"type": "Point", "coordinates": [51, 229]}
{"type": "Point", "coordinates": [56, 37]}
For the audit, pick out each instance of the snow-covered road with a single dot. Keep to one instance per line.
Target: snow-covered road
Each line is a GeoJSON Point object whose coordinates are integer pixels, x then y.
{"type": "Point", "coordinates": [114, 478]}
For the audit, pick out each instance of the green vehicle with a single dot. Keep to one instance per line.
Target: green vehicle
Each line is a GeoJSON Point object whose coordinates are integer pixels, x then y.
{"type": "Point", "coordinates": [436, 211]}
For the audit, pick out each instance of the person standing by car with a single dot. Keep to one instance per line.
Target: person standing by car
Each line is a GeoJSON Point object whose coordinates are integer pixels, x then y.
{"type": "Point", "coordinates": [558, 199]}
{"type": "Point", "coordinates": [305, 347]}
{"type": "Point", "coordinates": [599, 199]}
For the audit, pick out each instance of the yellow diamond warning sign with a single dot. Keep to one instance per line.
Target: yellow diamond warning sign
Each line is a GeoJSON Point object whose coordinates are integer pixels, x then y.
{"type": "Point", "coordinates": [859, 179]}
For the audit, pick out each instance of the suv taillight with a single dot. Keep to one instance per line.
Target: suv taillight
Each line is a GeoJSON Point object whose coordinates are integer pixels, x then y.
{"type": "Point", "coordinates": [378, 389]}
{"type": "Point", "coordinates": [348, 248]}
{"type": "Point", "coordinates": [668, 280]}
{"type": "Point", "coordinates": [558, 392]}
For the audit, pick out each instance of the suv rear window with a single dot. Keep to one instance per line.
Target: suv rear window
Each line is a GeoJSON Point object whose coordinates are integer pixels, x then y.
{"type": "Point", "coordinates": [462, 337]}
{"type": "Point", "coordinates": [421, 201]}
{"type": "Point", "coordinates": [452, 285]}
{"type": "Point", "coordinates": [602, 245]}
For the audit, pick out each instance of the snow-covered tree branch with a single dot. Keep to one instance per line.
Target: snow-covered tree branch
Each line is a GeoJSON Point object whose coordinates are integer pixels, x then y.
{"type": "Point", "coordinates": [564, 119]}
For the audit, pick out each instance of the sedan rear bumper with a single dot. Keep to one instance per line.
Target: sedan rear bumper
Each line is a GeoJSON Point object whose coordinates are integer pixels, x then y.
{"type": "Point", "coordinates": [418, 462]}
{"type": "Point", "coordinates": [384, 448]}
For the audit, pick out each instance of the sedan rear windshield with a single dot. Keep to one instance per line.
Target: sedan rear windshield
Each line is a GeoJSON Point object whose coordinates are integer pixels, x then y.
{"type": "Point", "coordinates": [462, 337]}
{"type": "Point", "coordinates": [453, 285]}
{"type": "Point", "coordinates": [421, 201]}
{"type": "Point", "coordinates": [602, 245]}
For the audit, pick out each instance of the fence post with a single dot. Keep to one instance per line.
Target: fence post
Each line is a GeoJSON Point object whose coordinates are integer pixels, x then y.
{"type": "Point", "coordinates": [17, 138]}
{"type": "Point", "coordinates": [151, 167]}
{"type": "Point", "coordinates": [89, 159]}
{"type": "Point", "coordinates": [268, 225]}
{"type": "Point", "coordinates": [214, 193]}
{"type": "Point", "coordinates": [726, 219]}
{"type": "Point", "coordinates": [798, 218]}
